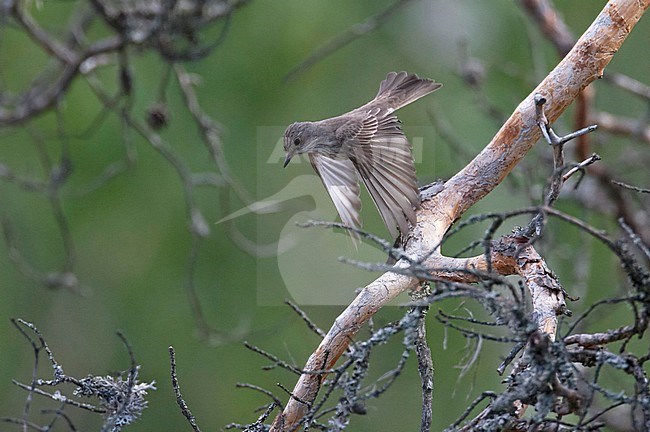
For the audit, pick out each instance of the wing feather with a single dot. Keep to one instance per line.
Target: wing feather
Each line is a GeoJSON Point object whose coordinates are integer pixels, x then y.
{"type": "Point", "coordinates": [382, 155]}
{"type": "Point", "coordinates": [342, 183]}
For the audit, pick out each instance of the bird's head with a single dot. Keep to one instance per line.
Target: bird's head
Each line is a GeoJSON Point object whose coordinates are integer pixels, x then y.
{"type": "Point", "coordinates": [299, 138]}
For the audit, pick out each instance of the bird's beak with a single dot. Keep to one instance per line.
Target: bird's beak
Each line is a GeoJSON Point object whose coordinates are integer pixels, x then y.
{"type": "Point", "coordinates": [287, 160]}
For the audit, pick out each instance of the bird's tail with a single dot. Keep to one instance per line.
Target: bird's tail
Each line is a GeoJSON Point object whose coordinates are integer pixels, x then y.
{"type": "Point", "coordinates": [400, 89]}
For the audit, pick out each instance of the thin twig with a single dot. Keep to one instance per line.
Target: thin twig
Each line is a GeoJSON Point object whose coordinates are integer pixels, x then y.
{"type": "Point", "coordinates": [276, 400]}
{"type": "Point", "coordinates": [60, 398]}
{"type": "Point", "coordinates": [580, 167]}
{"type": "Point", "coordinates": [312, 326]}
{"type": "Point", "coordinates": [630, 187]}
{"type": "Point", "coordinates": [425, 369]}
{"type": "Point", "coordinates": [185, 410]}
{"type": "Point", "coordinates": [343, 39]}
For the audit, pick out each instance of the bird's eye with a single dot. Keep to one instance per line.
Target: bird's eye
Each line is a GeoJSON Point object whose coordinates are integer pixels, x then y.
{"type": "Point", "coordinates": [296, 141]}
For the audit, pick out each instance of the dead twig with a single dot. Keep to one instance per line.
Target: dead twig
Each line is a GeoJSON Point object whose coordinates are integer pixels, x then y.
{"type": "Point", "coordinates": [593, 51]}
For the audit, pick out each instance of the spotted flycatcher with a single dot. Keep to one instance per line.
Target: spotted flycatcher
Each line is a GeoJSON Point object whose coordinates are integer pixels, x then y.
{"type": "Point", "coordinates": [368, 144]}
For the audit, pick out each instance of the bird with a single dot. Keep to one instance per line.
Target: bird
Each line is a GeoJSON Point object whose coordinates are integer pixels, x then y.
{"type": "Point", "coordinates": [366, 145]}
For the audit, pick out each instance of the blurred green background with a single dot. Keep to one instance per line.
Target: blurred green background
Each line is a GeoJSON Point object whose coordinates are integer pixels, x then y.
{"type": "Point", "coordinates": [131, 235]}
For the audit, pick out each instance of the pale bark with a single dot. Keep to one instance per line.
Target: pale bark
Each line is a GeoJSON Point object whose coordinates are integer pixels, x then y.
{"type": "Point", "coordinates": [582, 65]}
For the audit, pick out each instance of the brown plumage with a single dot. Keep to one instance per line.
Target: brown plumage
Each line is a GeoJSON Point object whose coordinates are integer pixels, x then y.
{"type": "Point", "coordinates": [368, 144]}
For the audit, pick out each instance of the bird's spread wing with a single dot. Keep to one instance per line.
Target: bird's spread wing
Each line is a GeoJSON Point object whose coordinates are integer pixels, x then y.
{"type": "Point", "coordinates": [341, 181]}
{"type": "Point", "coordinates": [382, 155]}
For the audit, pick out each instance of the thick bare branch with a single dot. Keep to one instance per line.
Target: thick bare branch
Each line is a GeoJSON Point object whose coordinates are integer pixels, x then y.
{"type": "Point", "coordinates": [584, 63]}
